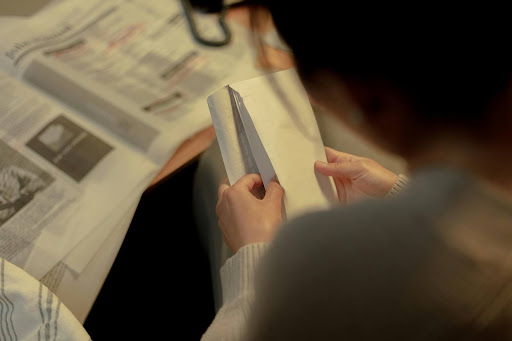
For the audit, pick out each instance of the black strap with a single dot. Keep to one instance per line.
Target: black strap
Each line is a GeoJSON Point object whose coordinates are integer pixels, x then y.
{"type": "Point", "coordinates": [187, 7]}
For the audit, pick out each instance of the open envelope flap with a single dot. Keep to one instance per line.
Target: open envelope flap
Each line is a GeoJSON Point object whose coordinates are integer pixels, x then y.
{"type": "Point", "coordinates": [258, 151]}
{"type": "Point", "coordinates": [231, 135]}
{"type": "Point", "coordinates": [280, 111]}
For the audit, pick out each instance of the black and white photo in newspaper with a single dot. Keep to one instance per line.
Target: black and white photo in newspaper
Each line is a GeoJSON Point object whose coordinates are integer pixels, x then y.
{"type": "Point", "coordinates": [29, 199]}
{"type": "Point", "coordinates": [72, 149]}
{"type": "Point", "coordinates": [20, 181]}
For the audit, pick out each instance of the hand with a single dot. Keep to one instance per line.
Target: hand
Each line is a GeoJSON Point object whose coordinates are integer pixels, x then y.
{"type": "Point", "coordinates": [356, 177]}
{"type": "Point", "coordinates": [245, 219]}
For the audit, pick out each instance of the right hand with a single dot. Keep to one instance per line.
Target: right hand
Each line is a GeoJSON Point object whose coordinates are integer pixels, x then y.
{"type": "Point", "coordinates": [245, 218]}
{"type": "Point", "coordinates": [356, 177]}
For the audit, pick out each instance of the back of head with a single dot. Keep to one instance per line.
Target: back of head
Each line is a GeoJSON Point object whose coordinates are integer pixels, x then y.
{"type": "Point", "coordinates": [451, 62]}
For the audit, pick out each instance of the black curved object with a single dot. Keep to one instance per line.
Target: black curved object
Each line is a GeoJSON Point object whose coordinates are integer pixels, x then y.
{"type": "Point", "coordinates": [189, 14]}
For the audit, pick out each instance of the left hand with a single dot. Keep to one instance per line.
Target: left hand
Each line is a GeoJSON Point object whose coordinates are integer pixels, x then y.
{"type": "Point", "coordinates": [245, 219]}
{"type": "Point", "coordinates": [356, 177]}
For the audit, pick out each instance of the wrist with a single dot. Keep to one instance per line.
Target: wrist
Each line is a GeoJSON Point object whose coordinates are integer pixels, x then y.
{"type": "Point", "coordinates": [398, 186]}
{"type": "Point", "coordinates": [237, 274]}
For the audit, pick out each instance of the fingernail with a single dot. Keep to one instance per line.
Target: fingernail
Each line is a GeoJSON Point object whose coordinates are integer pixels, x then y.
{"type": "Point", "coordinates": [320, 163]}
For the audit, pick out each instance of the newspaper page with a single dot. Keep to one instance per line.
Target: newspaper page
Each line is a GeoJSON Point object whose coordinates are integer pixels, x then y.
{"type": "Point", "coordinates": [60, 177]}
{"type": "Point", "coordinates": [82, 253]}
{"type": "Point", "coordinates": [78, 290]}
{"type": "Point", "coordinates": [131, 66]}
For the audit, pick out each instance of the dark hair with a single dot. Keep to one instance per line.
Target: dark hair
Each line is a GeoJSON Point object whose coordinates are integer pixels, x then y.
{"type": "Point", "coordinates": [449, 63]}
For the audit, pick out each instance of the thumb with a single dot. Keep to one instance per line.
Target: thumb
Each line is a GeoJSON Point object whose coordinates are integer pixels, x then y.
{"type": "Point", "coordinates": [274, 192]}
{"type": "Point", "coordinates": [338, 169]}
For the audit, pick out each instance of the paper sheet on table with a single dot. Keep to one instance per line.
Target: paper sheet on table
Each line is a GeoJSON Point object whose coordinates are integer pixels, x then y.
{"type": "Point", "coordinates": [40, 261]}
{"type": "Point", "coordinates": [283, 138]}
{"type": "Point", "coordinates": [78, 259]}
{"type": "Point", "coordinates": [78, 292]}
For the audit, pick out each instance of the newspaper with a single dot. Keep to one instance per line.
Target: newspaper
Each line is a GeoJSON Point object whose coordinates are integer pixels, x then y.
{"type": "Point", "coordinates": [95, 96]}
{"type": "Point", "coordinates": [131, 66]}
{"type": "Point", "coordinates": [60, 176]}
{"type": "Point", "coordinates": [78, 290]}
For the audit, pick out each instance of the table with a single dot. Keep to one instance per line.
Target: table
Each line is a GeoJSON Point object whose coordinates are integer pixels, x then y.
{"type": "Point", "coordinates": [186, 152]}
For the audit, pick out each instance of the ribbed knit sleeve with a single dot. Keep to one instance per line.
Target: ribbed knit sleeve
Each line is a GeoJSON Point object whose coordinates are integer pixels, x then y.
{"type": "Point", "coordinates": [237, 277]}
{"type": "Point", "coordinates": [399, 185]}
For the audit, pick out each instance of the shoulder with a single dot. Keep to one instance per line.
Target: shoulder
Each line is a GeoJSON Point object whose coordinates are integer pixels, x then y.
{"type": "Point", "coordinates": [357, 262]}
{"type": "Point", "coordinates": [354, 244]}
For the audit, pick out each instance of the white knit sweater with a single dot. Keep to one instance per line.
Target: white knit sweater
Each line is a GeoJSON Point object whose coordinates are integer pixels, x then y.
{"type": "Point", "coordinates": [237, 279]}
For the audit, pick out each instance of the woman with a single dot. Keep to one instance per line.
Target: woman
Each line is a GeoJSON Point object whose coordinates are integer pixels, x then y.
{"type": "Point", "coordinates": [430, 263]}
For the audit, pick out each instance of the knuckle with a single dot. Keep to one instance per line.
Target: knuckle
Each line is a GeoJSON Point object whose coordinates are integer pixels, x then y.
{"type": "Point", "coordinates": [231, 195]}
{"type": "Point", "coordinates": [338, 165]}
{"type": "Point", "coordinates": [230, 192]}
{"type": "Point", "coordinates": [361, 164]}
{"type": "Point", "coordinates": [274, 186]}
{"type": "Point", "coordinates": [367, 164]}
{"type": "Point", "coordinates": [250, 177]}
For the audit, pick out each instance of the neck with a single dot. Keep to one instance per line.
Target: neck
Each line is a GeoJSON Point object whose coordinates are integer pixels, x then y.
{"type": "Point", "coordinates": [489, 161]}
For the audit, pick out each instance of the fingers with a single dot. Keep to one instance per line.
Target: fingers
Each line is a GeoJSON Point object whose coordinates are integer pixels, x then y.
{"type": "Point", "coordinates": [274, 192]}
{"type": "Point", "coordinates": [335, 156]}
{"type": "Point", "coordinates": [249, 181]}
{"type": "Point", "coordinates": [339, 169]}
{"type": "Point", "coordinates": [224, 185]}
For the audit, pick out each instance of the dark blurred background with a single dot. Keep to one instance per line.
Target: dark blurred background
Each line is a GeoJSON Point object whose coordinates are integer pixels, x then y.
{"type": "Point", "coordinates": [159, 286]}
